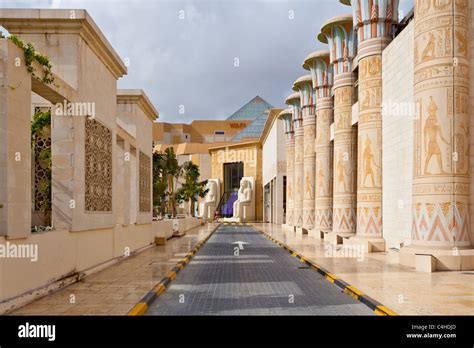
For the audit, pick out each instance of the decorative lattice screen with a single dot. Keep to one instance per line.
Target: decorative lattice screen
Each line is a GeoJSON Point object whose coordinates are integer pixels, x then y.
{"type": "Point", "coordinates": [41, 143]}
{"type": "Point", "coordinates": [98, 167]}
{"type": "Point", "coordinates": [144, 183]}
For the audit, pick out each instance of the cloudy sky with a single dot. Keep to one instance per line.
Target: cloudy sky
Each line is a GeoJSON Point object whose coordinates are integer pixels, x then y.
{"type": "Point", "coordinates": [208, 56]}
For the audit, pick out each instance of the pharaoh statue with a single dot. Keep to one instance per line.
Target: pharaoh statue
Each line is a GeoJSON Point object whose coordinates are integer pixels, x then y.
{"type": "Point", "coordinates": [210, 201]}
{"type": "Point", "coordinates": [244, 198]}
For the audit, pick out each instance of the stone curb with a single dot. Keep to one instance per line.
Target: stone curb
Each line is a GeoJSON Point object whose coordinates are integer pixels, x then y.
{"type": "Point", "coordinates": [142, 306]}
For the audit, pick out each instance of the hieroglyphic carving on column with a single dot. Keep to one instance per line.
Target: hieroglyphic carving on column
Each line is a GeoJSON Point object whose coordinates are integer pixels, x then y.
{"type": "Point", "coordinates": [322, 79]}
{"type": "Point", "coordinates": [374, 23]}
{"type": "Point", "coordinates": [297, 188]}
{"type": "Point", "coordinates": [144, 183]}
{"type": "Point", "coordinates": [369, 168]}
{"type": "Point", "coordinates": [338, 33]}
{"type": "Point", "coordinates": [286, 116]}
{"type": "Point", "coordinates": [304, 86]}
{"type": "Point", "coordinates": [98, 167]}
{"type": "Point", "coordinates": [345, 162]}
{"type": "Point", "coordinates": [441, 156]}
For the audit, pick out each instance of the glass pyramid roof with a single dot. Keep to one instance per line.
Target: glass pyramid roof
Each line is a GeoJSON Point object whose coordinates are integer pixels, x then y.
{"type": "Point", "coordinates": [251, 110]}
{"type": "Point", "coordinates": [254, 129]}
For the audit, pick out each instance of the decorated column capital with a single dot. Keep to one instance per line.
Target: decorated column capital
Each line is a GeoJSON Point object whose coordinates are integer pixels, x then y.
{"type": "Point", "coordinates": [319, 64]}
{"type": "Point", "coordinates": [286, 116]}
{"type": "Point", "coordinates": [374, 23]}
{"type": "Point", "coordinates": [293, 100]}
{"type": "Point", "coordinates": [338, 33]}
{"type": "Point", "coordinates": [304, 86]}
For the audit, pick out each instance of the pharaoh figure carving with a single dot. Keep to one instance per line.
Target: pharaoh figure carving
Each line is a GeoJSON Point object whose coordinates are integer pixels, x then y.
{"type": "Point", "coordinates": [431, 131]}
{"type": "Point", "coordinates": [369, 163]}
{"type": "Point", "coordinates": [210, 201]}
{"type": "Point", "coordinates": [244, 198]}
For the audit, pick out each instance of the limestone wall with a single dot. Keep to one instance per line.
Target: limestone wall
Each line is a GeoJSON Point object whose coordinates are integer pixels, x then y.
{"type": "Point", "coordinates": [397, 135]}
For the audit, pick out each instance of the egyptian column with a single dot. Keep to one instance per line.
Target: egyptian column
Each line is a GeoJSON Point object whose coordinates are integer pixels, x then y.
{"type": "Point", "coordinates": [338, 33]}
{"type": "Point", "coordinates": [322, 77]}
{"type": "Point", "coordinates": [294, 101]}
{"type": "Point", "coordinates": [374, 23]}
{"type": "Point", "coordinates": [304, 85]}
{"type": "Point", "coordinates": [287, 117]}
{"type": "Point", "coordinates": [441, 129]}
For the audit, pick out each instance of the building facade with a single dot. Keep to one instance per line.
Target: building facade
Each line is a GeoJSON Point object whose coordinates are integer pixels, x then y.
{"type": "Point", "coordinates": [398, 140]}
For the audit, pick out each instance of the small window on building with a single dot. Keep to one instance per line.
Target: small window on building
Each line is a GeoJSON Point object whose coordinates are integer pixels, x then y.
{"type": "Point", "coordinates": [219, 133]}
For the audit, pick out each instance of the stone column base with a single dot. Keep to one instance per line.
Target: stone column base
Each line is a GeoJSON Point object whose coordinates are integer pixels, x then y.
{"type": "Point", "coordinates": [338, 237]}
{"type": "Point", "coordinates": [316, 234]}
{"type": "Point", "coordinates": [368, 244]}
{"type": "Point", "coordinates": [301, 230]}
{"type": "Point", "coordinates": [431, 259]}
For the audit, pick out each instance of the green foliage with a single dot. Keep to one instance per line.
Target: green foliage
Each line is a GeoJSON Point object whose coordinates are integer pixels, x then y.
{"type": "Point", "coordinates": [40, 122]}
{"type": "Point", "coordinates": [159, 182]}
{"type": "Point", "coordinates": [191, 187]}
{"type": "Point", "coordinates": [32, 55]}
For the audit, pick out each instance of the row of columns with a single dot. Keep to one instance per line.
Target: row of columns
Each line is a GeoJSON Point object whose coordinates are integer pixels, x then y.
{"type": "Point", "coordinates": [336, 189]}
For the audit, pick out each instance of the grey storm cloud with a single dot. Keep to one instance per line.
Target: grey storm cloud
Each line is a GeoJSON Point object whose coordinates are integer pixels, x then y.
{"type": "Point", "coordinates": [183, 52]}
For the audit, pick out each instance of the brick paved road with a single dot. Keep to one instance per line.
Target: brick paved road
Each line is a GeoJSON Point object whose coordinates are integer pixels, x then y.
{"type": "Point", "coordinates": [263, 279]}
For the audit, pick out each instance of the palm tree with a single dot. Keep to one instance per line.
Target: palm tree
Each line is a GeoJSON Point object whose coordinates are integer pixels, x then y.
{"type": "Point", "coordinates": [172, 171]}
{"type": "Point", "coordinates": [160, 182]}
{"type": "Point", "coordinates": [191, 186]}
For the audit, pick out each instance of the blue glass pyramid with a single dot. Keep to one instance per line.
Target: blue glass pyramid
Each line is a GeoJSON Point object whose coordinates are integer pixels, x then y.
{"type": "Point", "coordinates": [251, 110]}
{"type": "Point", "coordinates": [254, 129]}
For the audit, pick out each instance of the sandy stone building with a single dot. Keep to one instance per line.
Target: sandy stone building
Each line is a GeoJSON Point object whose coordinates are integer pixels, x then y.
{"type": "Point", "coordinates": [99, 141]}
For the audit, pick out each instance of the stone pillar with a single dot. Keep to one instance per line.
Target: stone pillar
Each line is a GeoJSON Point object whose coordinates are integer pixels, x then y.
{"type": "Point", "coordinates": [441, 131]}
{"type": "Point", "coordinates": [338, 33]}
{"type": "Point", "coordinates": [322, 78]}
{"type": "Point", "coordinates": [374, 26]}
{"type": "Point", "coordinates": [304, 86]}
{"type": "Point", "coordinates": [15, 143]}
{"type": "Point", "coordinates": [287, 117]}
{"type": "Point", "coordinates": [294, 101]}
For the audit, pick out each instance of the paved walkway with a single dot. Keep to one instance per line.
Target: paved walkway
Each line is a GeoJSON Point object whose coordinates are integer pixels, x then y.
{"type": "Point", "coordinates": [399, 288]}
{"type": "Point", "coordinates": [116, 289]}
{"type": "Point", "coordinates": [263, 279]}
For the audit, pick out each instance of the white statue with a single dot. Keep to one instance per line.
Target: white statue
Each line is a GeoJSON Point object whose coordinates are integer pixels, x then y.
{"type": "Point", "coordinates": [209, 205]}
{"type": "Point", "coordinates": [244, 198]}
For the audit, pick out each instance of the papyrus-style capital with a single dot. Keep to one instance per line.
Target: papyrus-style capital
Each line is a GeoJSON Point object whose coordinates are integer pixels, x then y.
{"type": "Point", "coordinates": [293, 100]}
{"type": "Point", "coordinates": [338, 33]}
{"type": "Point", "coordinates": [374, 23]}
{"type": "Point", "coordinates": [304, 86]}
{"type": "Point", "coordinates": [321, 73]}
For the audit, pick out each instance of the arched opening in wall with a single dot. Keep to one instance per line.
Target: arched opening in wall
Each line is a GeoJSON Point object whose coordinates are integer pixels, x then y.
{"type": "Point", "coordinates": [41, 164]}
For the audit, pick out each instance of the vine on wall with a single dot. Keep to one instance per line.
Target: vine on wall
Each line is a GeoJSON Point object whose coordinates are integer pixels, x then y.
{"type": "Point", "coordinates": [32, 55]}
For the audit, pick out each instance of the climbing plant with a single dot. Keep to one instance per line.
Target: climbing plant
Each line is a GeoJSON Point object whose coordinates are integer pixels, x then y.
{"type": "Point", "coordinates": [32, 55]}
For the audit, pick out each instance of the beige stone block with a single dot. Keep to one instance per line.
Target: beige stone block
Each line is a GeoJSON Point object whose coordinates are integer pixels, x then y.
{"type": "Point", "coordinates": [425, 263]}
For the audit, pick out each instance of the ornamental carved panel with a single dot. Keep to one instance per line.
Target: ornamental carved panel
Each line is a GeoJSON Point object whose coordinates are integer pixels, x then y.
{"type": "Point", "coordinates": [98, 167]}
{"type": "Point", "coordinates": [144, 184]}
{"type": "Point", "coordinates": [42, 174]}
